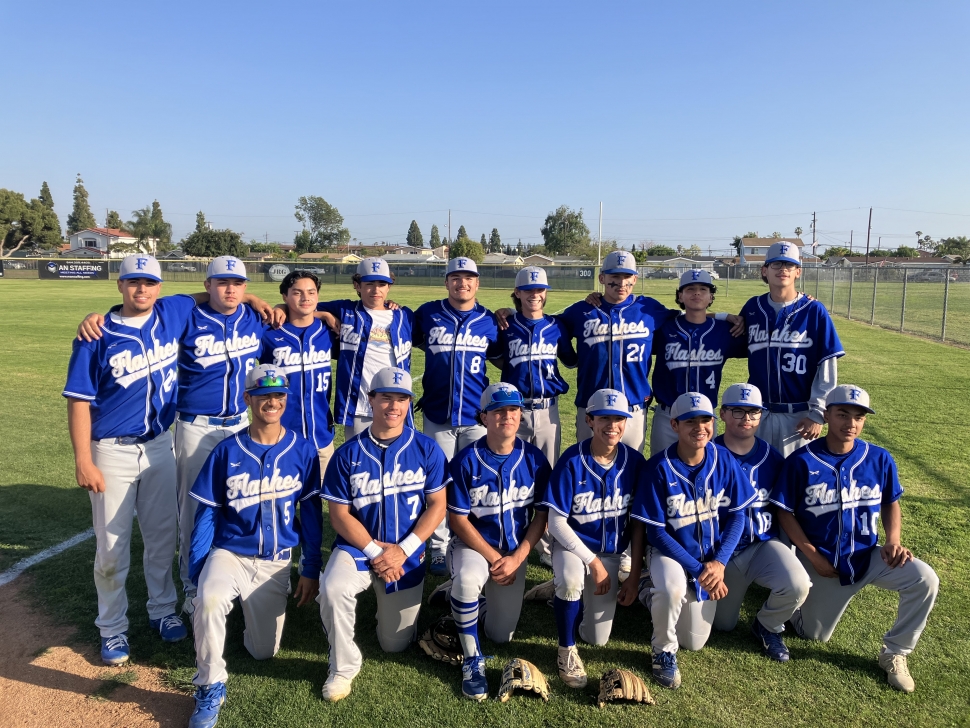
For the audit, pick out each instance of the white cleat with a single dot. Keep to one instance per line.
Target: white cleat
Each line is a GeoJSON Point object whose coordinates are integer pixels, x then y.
{"type": "Point", "coordinates": [336, 688]}
{"type": "Point", "coordinates": [897, 671]}
{"type": "Point", "coordinates": [571, 668]}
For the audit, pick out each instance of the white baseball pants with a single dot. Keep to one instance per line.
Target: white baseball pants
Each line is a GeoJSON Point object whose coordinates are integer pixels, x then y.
{"type": "Point", "coordinates": [142, 478]}
{"type": "Point", "coordinates": [262, 587]}
{"type": "Point", "coordinates": [772, 565]}
{"type": "Point", "coordinates": [678, 618]}
{"type": "Point", "coordinates": [573, 582]}
{"type": "Point", "coordinates": [778, 428]}
{"type": "Point", "coordinates": [541, 428]}
{"type": "Point", "coordinates": [662, 435]}
{"type": "Point", "coordinates": [324, 453]}
{"type": "Point", "coordinates": [634, 434]}
{"type": "Point", "coordinates": [397, 613]}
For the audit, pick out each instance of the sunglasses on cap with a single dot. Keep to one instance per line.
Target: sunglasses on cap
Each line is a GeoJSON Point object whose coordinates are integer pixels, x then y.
{"type": "Point", "coordinates": [269, 380]}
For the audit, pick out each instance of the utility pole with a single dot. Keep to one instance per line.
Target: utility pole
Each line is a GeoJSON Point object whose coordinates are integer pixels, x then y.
{"type": "Point", "coordinates": [449, 229]}
{"type": "Point", "coordinates": [868, 233]}
{"type": "Point", "coordinates": [850, 241]}
{"type": "Point", "coordinates": [814, 241]}
{"type": "Point", "coordinates": [599, 249]}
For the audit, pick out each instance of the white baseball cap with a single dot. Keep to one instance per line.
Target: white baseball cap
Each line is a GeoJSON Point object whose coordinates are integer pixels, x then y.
{"type": "Point", "coordinates": [742, 395]}
{"type": "Point", "coordinates": [608, 402]}
{"type": "Point", "coordinates": [691, 404]}
{"type": "Point", "coordinates": [392, 380]}
{"type": "Point", "coordinates": [849, 394]}
{"type": "Point", "coordinates": [784, 251]}
{"type": "Point", "coordinates": [696, 276]}
{"type": "Point", "coordinates": [620, 261]}
{"type": "Point", "coordinates": [461, 265]}
{"type": "Point", "coordinates": [374, 269]}
{"type": "Point", "coordinates": [530, 278]}
{"type": "Point", "coordinates": [140, 266]}
{"type": "Point", "coordinates": [500, 394]}
{"type": "Point", "coordinates": [226, 266]}
{"type": "Point", "coordinates": [266, 379]}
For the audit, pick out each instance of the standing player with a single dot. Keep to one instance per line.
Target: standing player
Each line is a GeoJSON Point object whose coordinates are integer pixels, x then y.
{"type": "Point", "coordinates": [690, 350]}
{"type": "Point", "coordinates": [372, 337]}
{"type": "Point", "coordinates": [300, 349]}
{"type": "Point", "coordinates": [692, 501]}
{"type": "Point", "coordinates": [246, 527]}
{"type": "Point", "coordinates": [793, 350]}
{"type": "Point", "coordinates": [588, 499]}
{"type": "Point", "coordinates": [490, 506]}
{"type": "Point", "coordinates": [120, 403]}
{"type": "Point", "coordinates": [759, 556]}
{"type": "Point", "coordinates": [386, 493]}
{"type": "Point", "coordinates": [457, 335]}
{"type": "Point", "coordinates": [831, 495]}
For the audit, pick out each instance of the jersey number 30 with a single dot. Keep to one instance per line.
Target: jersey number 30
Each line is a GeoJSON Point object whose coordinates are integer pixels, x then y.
{"type": "Point", "coordinates": [793, 363]}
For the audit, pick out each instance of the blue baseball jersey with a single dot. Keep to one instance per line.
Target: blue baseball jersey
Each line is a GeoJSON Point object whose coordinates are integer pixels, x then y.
{"type": "Point", "coordinates": [614, 343]}
{"type": "Point", "coordinates": [355, 328]}
{"type": "Point", "coordinates": [761, 466]}
{"type": "Point", "coordinates": [456, 345]}
{"type": "Point", "coordinates": [129, 375]}
{"type": "Point", "coordinates": [837, 500]}
{"type": "Point", "coordinates": [248, 494]}
{"type": "Point", "coordinates": [216, 353]}
{"type": "Point", "coordinates": [498, 495]}
{"type": "Point", "coordinates": [785, 349]}
{"type": "Point", "coordinates": [691, 357]}
{"type": "Point", "coordinates": [688, 503]}
{"type": "Point", "coordinates": [303, 354]}
{"type": "Point", "coordinates": [596, 500]}
{"type": "Point", "coordinates": [387, 491]}
{"type": "Point", "coordinates": [529, 349]}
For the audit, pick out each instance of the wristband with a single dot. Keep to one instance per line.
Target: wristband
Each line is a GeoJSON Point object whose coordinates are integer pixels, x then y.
{"type": "Point", "coordinates": [372, 551]}
{"type": "Point", "coordinates": [410, 544]}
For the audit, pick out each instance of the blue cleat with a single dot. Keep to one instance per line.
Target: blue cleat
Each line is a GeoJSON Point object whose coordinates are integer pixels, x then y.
{"type": "Point", "coordinates": [772, 645]}
{"type": "Point", "coordinates": [115, 650]}
{"type": "Point", "coordinates": [438, 566]}
{"type": "Point", "coordinates": [474, 686]}
{"type": "Point", "coordinates": [208, 701]}
{"type": "Point", "coordinates": [665, 670]}
{"type": "Point", "coordinates": [170, 628]}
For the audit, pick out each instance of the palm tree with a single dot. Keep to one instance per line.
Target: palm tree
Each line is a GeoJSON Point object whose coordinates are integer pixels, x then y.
{"type": "Point", "coordinates": [148, 225]}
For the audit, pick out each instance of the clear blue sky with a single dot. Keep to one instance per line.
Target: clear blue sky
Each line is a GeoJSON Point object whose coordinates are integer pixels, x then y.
{"type": "Point", "coordinates": [691, 122]}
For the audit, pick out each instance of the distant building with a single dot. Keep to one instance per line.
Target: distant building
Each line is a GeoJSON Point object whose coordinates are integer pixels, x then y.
{"type": "Point", "coordinates": [410, 259]}
{"type": "Point", "coordinates": [101, 240]}
{"type": "Point", "coordinates": [502, 259]}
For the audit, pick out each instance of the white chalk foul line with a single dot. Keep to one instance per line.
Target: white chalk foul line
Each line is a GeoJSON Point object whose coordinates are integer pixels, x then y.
{"type": "Point", "coordinates": [21, 566]}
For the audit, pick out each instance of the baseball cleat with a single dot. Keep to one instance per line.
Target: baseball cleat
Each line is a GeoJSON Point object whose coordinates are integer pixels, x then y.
{"type": "Point", "coordinates": [170, 628]}
{"type": "Point", "coordinates": [571, 668]}
{"type": "Point", "coordinates": [438, 566]}
{"type": "Point", "coordinates": [336, 688]}
{"type": "Point", "coordinates": [546, 560]}
{"type": "Point", "coordinates": [474, 686]}
{"type": "Point", "coordinates": [772, 645]}
{"type": "Point", "coordinates": [441, 596]}
{"type": "Point", "coordinates": [208, 702]}
{"type": "Point", "coordinates": [665, 670]}
{"type": "Point", "coordinates": [897, 671]}
{"type": "Point", "coordinates": [543, 592]}
{"type": "Point", "coordinates": [188, 607]}
{"type": "Point", "coordinates": [115, 650]}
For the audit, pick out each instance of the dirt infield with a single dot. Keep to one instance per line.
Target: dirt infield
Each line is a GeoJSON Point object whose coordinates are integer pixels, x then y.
{"type": "Point", "coordinates": [48, 681]}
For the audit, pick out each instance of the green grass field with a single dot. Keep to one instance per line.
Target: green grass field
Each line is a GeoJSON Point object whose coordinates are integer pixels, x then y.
{"type": "Point", "coordinates": [915, 385]}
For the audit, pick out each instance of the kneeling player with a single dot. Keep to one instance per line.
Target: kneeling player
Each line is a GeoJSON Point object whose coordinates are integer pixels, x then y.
{"type": "Point", "coordinates": [386, 488]}
{"type": "Point", "coordinates": [832, 493]}
{"type": "Point", "coordinates": [588, 498]}
{"type": "Point", "coordinates": [247, 518]}
{"type": "Point", "coordinates": [759, 557]}
{"type": "Point", "coordinates": [692, 499]}
{"type": "Point", "coordinates": [491, 514]}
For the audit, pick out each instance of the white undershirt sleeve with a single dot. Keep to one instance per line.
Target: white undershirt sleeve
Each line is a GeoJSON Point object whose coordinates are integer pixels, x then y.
{"type": "Point", "coordinates": [567, 538]}
{"type": "Point", "coordinates": [826, 379]}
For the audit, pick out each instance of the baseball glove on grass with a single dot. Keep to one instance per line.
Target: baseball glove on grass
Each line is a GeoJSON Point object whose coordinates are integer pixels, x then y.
{"type": "Point", "coordinates": [623, 685]}
{"type": "Point", "coordinates": [440, 641]}
{"type": "Point", "coordinates": [522, 675]}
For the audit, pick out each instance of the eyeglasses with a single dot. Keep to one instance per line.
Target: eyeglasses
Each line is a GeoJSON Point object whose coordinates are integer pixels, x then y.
{"type": "Point", "coordinates": [270, 380]}
{"type": "Point", "coordinates": [782, 265]}
{"type": "Point", "coordinates": [741, 414]}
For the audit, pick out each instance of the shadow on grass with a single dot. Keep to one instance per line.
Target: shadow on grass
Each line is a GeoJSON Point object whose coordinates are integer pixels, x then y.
{"type": "Point", "coordinates": [34, 517]}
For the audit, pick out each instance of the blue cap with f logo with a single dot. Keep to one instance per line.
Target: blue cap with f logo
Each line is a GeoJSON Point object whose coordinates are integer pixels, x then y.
{"type": "Point", "coordinates": [696, 276]}
{"type": "Point", "coordinates": [226, 266]}
{"type": "Point", "coordinates": [620, 261]}
{"type": "Point", "coordinates": [606, 402]}
{"type": "Point", "coordinates": [140, 265]}
{"type": "Point", "coordinates": [391, 380]}
{"type": "Point", "coordinates": [500, 394]}
{"type": "Point", "coordinates": [531, 277]}
{"type": "Point", "coordinates": [785, 252]}
{"type": "Point", "coordinates": [374, 269]}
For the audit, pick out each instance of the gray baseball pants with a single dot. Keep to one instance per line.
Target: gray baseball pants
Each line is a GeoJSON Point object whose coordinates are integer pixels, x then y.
{"type": "Point", "coordinates": [678, 618]}
{"type": "Point", "coordinates": [572, 580]}
{"type": "Point", "coordinates": [662, 435]}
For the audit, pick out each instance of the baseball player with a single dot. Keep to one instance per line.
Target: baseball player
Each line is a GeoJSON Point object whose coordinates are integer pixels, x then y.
{"type": "Point", "coordinates": [458, 335]}
{"type": "Point", "coordinates": [692, 501]}
{"type": "Point", "coordinates": [588, 498]}
{"type": "Point", "coordinates": [759, 556]}
{"type": "Point", "coordinates": [246, 527]}
{"type": "Point", "coordinates": [372, 337]}
{"type": "Point", "coordinates": [301, 349]}
{"type": "Point", "coordinates": [690, 351]}
{"type": "Point", "coordinates": [831, 495]}
{"type": "Point", "coordinates": [793, 350]}
{"type": "Point", "coordinates": [120, 394]}
{"type": "Point", "coordinates": [494, 483]}
{"type": "Point", "coordinates": [386, 493]}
